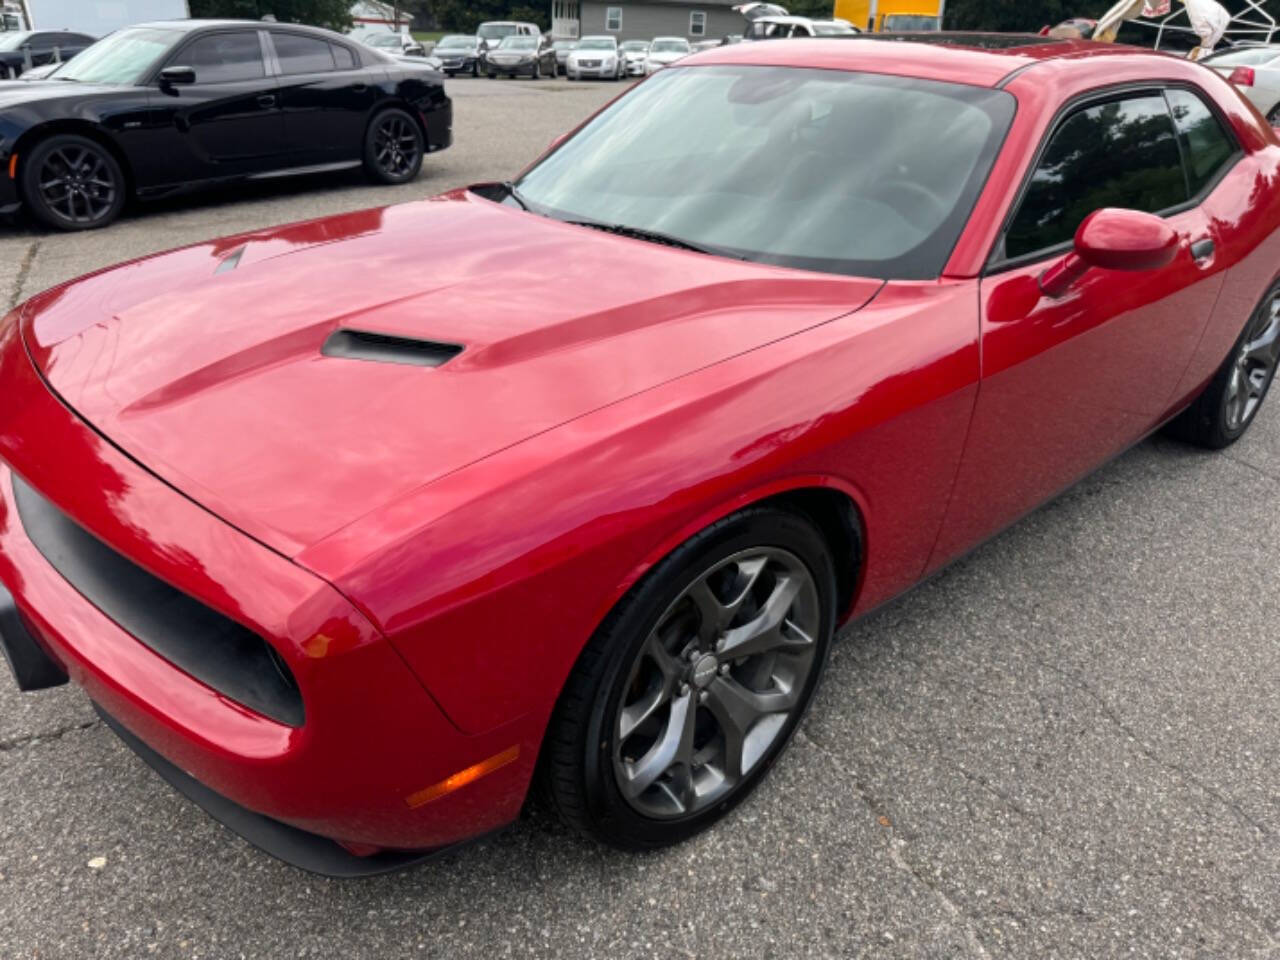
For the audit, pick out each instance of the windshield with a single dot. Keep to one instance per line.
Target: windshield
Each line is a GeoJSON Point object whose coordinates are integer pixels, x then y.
{"type": "Point", "coordinates": [1251, 57]}
{"type": "Point", "coordinates": [12, 41]}
{"type": "Point", "coordinates": [124, 57]}
{"type": "Point", "coordinates": [669, 46]}
{"type": "Point", "coordinates": [597, 43]}
{"type": "Point", "coordinates": [458, 42]}
{"type": "Point", "coordinates": [843, 172]}
{"type": "Point", "coordinates": [384, 40]}
{"type": "Point", "coordinates": [517, 43]}
{"type": "Point", "coordinates": [496, 31]}
{"type": "Point", "coordinates": [902, 21]}
{"type": "Point", "coordinates": [566, 44]}
{"type": "Point", "coordinates": [635, 46]}
{"type": "Point", "coordinates": [832, 29]}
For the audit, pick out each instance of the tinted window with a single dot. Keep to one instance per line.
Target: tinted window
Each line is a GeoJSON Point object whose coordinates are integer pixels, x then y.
{"type": "Point", "coordinates": [1206, 146]}
{"type": "Point", "coordinates": [1118, 154]}
{"type": "Point", "coordinates": [344, 58]}
{"type": "Point", "coordinates": [302, 54]}
{"type": "Point", "coordinates": [221, 57]}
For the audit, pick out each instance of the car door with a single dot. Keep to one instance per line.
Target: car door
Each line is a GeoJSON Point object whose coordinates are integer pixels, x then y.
{"type": "Point", "coordinates": [326, 96]}
{"type": "Point", "coordinates": [1068, 382]}
{"type": "Point", "coordinates": [227, 123]}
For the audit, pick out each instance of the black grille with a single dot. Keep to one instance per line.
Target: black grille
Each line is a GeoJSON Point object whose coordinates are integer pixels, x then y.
{"type": "Point", "coordinates": [213, 648]}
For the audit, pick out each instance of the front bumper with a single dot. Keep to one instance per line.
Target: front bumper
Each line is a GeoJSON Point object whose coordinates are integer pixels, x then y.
{"type": "Point", "coordinates": [372, 739]}
{"type": "Point", "coordinates": [511, 69]}
{"type": "Point", "coordinates": [635, 68]}
{"type": "Point", "coordinates": [608, 72]}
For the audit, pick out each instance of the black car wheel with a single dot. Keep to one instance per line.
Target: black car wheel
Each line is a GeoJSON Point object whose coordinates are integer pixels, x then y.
{"type": "Point", "coordinates": [475, 71]}
{"type": "Point", "coordinates": [693, 685]}
{"type": "Point", "coordinates": [73, 183]}
{"type": "Point", "coordinates": [393, 147]}
{"type": "Point", "coordinates": [536, 73]}
{"type": "Point", "coordinates": [1222, 413]}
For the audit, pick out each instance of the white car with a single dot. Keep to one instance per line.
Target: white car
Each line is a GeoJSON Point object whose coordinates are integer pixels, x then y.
{"type": "Point", "coordinates": [665, 51]}
{"type": "Point", "coordinates": [633, 56]}
{"type": "Point", "coordinates": [1256, 72]}
{"type": "Point", "coordinates": [396, 44]}
{"type": "Point", "coordinates": [778, 28]}
{"type": "Point", "coordinates": [595, 57]}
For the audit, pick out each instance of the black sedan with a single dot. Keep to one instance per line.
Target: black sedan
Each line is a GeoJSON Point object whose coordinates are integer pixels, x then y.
{"type": "Point", "coordinates": [459, 53]}
{"type": "Point", "coordinates": [23, 49]}
{"type": "Point", "coordinates": [163, 107]}
{"type": "Point", "coordinates": [515, 55]}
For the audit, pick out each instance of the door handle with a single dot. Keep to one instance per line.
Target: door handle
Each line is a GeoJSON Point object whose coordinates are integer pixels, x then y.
{"type": "Point", "coordinates": [1203, 249]}
{"type": "Point", "coordinates": [267, 100]}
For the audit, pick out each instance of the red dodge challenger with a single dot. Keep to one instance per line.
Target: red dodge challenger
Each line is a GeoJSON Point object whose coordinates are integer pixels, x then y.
{"type": "Point", "coordinates": [580, 488]}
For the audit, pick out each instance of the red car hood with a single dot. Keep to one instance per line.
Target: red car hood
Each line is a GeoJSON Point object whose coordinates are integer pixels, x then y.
{"type": "Point", "coordinates": [205, 364]}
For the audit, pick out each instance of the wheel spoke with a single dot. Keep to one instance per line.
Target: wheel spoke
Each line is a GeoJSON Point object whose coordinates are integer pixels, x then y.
{"type": "Point", "coordinates": [1264, 346]}
{"type": "Point", "coordinates": [767, 631]}
{"type": "Point", "coordinates": [717, 614]}
{"type": "Point", "coordinates": [674, 746]}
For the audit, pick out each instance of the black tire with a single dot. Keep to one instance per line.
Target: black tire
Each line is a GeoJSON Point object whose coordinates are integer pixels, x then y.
{"type": "Point", "coordinates": [1228, 405]}
{"type": "Point", "coordinates": [475, 71]}
{"type": "Point", "coordinates": [96, 188]}
{"type": "Point", "coordinates": [583, 743]}
{"type": "Point", "coordinates": [492, 76]}
{"type": "Point", "coordinates": [393, 147]}
{"type": "Point", "coordinates": [536, 72]}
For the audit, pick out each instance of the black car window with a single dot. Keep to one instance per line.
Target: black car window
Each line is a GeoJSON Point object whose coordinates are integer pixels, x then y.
{"type": "Point", "coordinates": [302, 54]}
{"type": "Point", "coordinates": [343, 57]}
{"type": "Point", "coordinates": [1122, 153]}
{"type": "Point", "coordinates": [1204, 143]}
{"type": "Point", "coordinates": [224, 57]}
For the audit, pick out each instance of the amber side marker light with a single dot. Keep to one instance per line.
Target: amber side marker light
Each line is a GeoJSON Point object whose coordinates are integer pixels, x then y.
{"type": "Point", "coordinates": [13, 167]}
{"type": "Point", "coordinates": [463, 777]}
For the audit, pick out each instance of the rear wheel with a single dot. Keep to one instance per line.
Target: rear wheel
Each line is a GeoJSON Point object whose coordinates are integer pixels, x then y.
{"type": "Point", "coordinates": [73, 183]}
{"type": "Point", "coordinates": [693, 686]}
{"type": "Point", "coordinates": [393, 147]}
{"type": "Point", "coordinates": [537, 71]}
{"type": "Point", "coordinates": [1222, 413]}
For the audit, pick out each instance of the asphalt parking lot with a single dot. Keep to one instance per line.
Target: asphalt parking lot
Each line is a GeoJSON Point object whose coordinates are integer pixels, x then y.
{"type": "Point", "coordinates": [1067, 745]}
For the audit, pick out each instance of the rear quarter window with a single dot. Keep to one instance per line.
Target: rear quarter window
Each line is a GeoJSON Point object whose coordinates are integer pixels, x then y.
{"type": "Point", "coordinates": [1207, 146]}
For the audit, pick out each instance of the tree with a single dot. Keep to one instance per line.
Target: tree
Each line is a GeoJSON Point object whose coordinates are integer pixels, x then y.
{"type": "Point", "coordinates": [335, 14]}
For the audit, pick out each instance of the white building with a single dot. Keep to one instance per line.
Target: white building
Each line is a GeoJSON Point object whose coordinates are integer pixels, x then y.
{"type": "Point", "coordinates": [377, 15]}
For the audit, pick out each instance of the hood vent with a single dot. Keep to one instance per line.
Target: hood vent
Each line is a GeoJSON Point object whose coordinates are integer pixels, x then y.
{"type": "Point", "coordinates": [383, 348]}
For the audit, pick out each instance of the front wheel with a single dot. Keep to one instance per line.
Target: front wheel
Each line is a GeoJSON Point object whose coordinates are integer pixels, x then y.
{"type": "Point", "coordinates": [537, 72]}
{"type": "Point", "coordinates": [692, 687]}
{"type": "Point", "coordinates": [73, 183]}
{"type": "Point", "coordinates": [1222, 413]}
{"type": "Point", "coordinates": [393, 147]}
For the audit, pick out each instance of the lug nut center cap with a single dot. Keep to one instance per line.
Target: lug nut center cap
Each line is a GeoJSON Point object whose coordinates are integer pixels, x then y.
{"type": "Point", "coordinates": [704, 670]}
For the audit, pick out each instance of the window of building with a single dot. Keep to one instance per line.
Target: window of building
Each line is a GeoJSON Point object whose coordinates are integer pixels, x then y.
{"type": "Point", "coordinates": [613, 19]}
{"type": "Point", "coordinates": [697, 23]}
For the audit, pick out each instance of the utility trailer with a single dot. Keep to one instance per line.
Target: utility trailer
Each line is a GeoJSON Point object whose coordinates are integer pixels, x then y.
{"type": "Point", "coordinates": [96, 18]}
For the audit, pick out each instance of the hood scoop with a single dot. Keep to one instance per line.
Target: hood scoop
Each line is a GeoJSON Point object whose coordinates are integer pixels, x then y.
{"type": "Point", "coordinates": [384, 348]}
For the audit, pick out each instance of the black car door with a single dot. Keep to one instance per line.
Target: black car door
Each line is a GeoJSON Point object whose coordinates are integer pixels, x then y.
{"type": "Point", "coordinates": [326, 95]}
{"type": "Point", "coordinates": [228, 122]}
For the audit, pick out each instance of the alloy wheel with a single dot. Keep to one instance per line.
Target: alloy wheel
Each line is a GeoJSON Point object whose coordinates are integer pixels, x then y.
{"type": "Point", "coordinates": [715, 683]}
{"type": "Point", "coordinates": [1254, 367]}
{"type": "Point", "coordinates": [396, 146]}
{"type": "Point", "coordinates": [77, 185]}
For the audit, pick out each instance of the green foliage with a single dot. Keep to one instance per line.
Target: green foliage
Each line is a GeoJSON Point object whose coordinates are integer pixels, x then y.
{"type": "Point", "coordinates": [335, 14]}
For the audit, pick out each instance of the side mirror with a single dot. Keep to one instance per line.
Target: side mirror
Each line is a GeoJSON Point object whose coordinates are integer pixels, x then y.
{"type": "Point", "coordinates": [1113, 239]}
{"type": "Point", "coordinates": [177, 76]}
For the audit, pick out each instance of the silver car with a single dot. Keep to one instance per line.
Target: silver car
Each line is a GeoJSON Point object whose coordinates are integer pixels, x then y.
{"type": "Point", "coordinates": [1256, 72]}
{"type": "Point", "coordinates": [595, 57]}
{"type": "Point", "coordinates": [634, 53]}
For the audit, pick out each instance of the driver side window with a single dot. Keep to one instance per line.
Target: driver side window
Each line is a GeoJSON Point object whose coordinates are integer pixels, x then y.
{"type": "Point", "coordinates": [1122, 153]}
{"type": "Point", "coordinates": [224, 57]}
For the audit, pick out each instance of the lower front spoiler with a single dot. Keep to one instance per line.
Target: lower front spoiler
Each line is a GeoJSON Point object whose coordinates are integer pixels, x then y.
{"type": "Point", "coordinates": [32, 667]}
{"type": "Point", "coordinates": [298, 848]}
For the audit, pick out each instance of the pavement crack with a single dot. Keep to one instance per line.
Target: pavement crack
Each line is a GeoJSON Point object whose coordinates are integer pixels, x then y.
{"type": "Point", "coordinates": [897, 845]}
{"type": "Point", "coordinates": [1260, 471]}
{"type": "Point", "coordinates": [1150, 753]}
{"type": "Point", "coordinates": [24, 270]}
{"type": "Point", "coordinates": [17, 743]}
